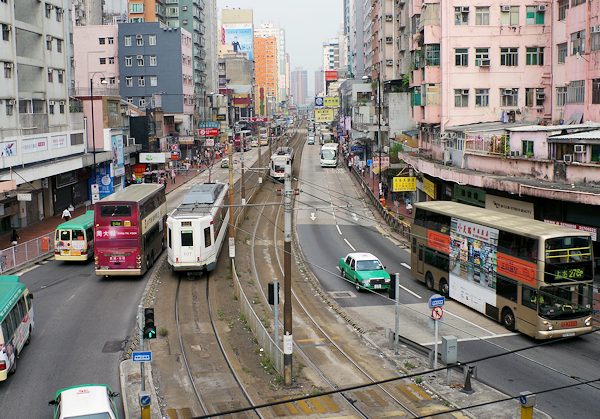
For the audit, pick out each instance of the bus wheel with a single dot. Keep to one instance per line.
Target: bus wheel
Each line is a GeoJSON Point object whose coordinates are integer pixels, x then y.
{"type": "Point", "coordinates": [148, 262]}
{"type": "Point", "coordinates": [444, 289]}
{"type": "Point", "coordinates": [508, 319]}
{"type": "Point", "coordinates": [429, 281]}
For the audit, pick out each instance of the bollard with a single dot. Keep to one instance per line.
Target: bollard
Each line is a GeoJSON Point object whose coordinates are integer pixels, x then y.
{"type": "Point", "coordinates": [527, 399]}
{"type": "Point", "coordinates": [467, 386]}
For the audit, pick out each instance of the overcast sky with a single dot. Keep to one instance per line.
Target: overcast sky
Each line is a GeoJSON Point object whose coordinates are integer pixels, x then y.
{"type": "Point", "coordinates": [307, 24]}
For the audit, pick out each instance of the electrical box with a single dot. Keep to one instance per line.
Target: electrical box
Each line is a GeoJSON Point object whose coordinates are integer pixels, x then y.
{"type": "Point", "coordinates": [449, 350]}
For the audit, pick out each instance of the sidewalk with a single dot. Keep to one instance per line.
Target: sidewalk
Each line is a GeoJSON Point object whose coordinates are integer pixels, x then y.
{"type": "Point", "coordinates": [48, 224]}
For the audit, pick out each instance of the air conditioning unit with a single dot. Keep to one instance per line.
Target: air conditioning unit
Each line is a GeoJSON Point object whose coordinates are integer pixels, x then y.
{"type": "Point", "coordinates": [389, 62]}
{"type": "Point", "coordinates": [51, 102]}
{"type": "Point", "coordinates": [12, 102]}
{"type": "Point", "coordinates": [389, 40]}
{"type": "Point", "coordinates": [465, 91]}
{"type": "Point", "coordinates": [48, 37]}
{"type": "Point", "coordinates": [184, 8]}
{"type": "Point", "coordinates": [139, 36]}
{"type": "Point", "coordinates": [540, 95]}
{"type": "Point", "coordinates": [389, 18]}
{"type": "Point", "coordinates": [464, 9]}
{"type": "Point", "coordinates": [140, 57]}
{"type": "Point", "coordinates": [507, 91]}
{"type": "Point", "coordinates": [595, 29]}
{"type": "Point", "coordinates": [568, 158]}
{"type": "Point", "coordinates": [485, 62]}
{"type": "Point", "coordinates": [541, 8]}
{"type": "Point", "coordinates": [505, 8]}
{"type": "Point", "coordinates": [579, 148]}
{"type": "Point", "coordinates": [62, 102]}
{"type": "Point", "coordinates": [8, 65]}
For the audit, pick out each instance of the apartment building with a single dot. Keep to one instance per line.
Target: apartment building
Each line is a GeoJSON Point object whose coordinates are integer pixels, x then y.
{"type": "Point", "coordinates": [266, 74]}
{"type": "Point", "coordinates": [299, 83]}
{"type": "Point", "coordinates": [146, 10]}
{"type": "Point", "coordinates": [270, 29]}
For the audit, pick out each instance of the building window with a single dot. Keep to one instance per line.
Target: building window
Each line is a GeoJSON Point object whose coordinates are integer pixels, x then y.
{"type": "Point", "coordinates": [50, 75]}
{"type": "Point", "coordinates": [102, 60]}
{"type": "Point", "coordinates": [136, 7]}
{"type": "Point", "coordinates": [561, 96]}
{"type": "Point", "coordinates": [141, 81]}
{"type": "Point", "coordinates": [5, 32]}
{"type": "Point", "coordinates": [142, 102]}
{"type": "Point", "coordinates": [482, 98]}
{"type": "Point", "coordinates": [509, 56]}
{"type": "Point", "coordinates": [59, 45]}
{"type": "Point", "coordinates": [577, 42]}
{"type": "Point", "coordinates": [61, 76]}
{"type": "Point", "coordinates": [576, 2]}
{"type": "Point", "coordinates": [111, 60]}
{"type": "Point", "coordinates": [112, 80]}
{"type": "Point", "coordinates": [461, 57]}
{"type": "Point", "coordinates": [534, 16]}
{"type": "Point", "coordinates": [563, 5]}
{"type": "Point", "coordinates": [534, 56]}
{"type": "Point", "coordinates": [527, 148]}
{"type": "Point", "coordinates": [128, 61]}
{"type": "Point", "coordinates": [153, 81]}
{"type": "Point", "coordinates": [51, 107]}
{"type": "Point", "coordinates": [10, 108]}
{"type": "Point", "coordinates": [8, 70]}
{"type": "Point", "coordinates": [61, 107]}
{"type": "Point", "coordinates": [128, 81]}
{"type": "Point", "coordinates": [49, 43]}
{"type": "Point", "coordinates": [127, 40]}
{"type": "Point", "coordinates": [432, 54]}
{"type": "Point", "coordinates": [461, 15]}
{"type": "Point", "coordinates": [510, 97]}
{"type": "Point", "coordinates": [48, 10]}
{"type": "Point", "coordinates": [110, 40]}
{"type": "Point", "coordinates": [482, 55]}
{"type": "Point", "coordinates": [534, 97]}
{"type": "Point", "coordinates": [59, 13]}
{"type": "Point", "coordinates": [153, 61]}
{"type": "Point", "coordinates": [461, 98]}
{"type": "Point", "coordinates": [595, 40]}
{"type": "Point", "coordinates": [151, 39]}
{"type": "Point", "coordinates": [563, 51]}
{"type": "Point", "coordinates": [576, 91]}
{"type": "Point", "coordinates": [130, 100]}
{"type": "Point", "coordinates": [140, 61]}
{"type": "Point", "coordinates": [101, 41]}
{"type": "Point", "coordinates": [139, 40]}
{"type": "Point", "coordinates": [596, 91]}
{"type": "Point", "coordinates": [511, 17]}
{"type": "Point", "coordinates": [482, 15]}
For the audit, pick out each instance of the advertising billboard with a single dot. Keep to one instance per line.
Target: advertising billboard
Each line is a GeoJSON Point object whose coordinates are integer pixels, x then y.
{"type": "Point", "coordinates": [118, 160]}
{"type": "Point", "coordinates": [324, 115]}
{"type": "Point", "coordinates": [404, 184]}
{"type": "Point", "coordinates": [332, 101]}
{"type": "Point", "coordinates": [239, 38]}
{"type": "Point", "coordinates": [331, 75]}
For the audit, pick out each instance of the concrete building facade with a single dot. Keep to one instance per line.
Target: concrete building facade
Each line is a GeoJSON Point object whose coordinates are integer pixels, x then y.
{"type": "Point", "coordinates": [299, 86]}
{"type": "Point", "coordinates": [266, 74]}
{"type": "Point", "coordinates": [270, 29]}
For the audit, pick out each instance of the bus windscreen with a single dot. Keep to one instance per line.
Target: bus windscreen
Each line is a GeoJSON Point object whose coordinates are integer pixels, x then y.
{"type": "Point", "coordinates": [115, 211]}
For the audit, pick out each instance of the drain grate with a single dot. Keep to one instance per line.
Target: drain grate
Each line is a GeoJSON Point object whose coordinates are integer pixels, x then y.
{"type": "Point", "coordinates": [342, 294]}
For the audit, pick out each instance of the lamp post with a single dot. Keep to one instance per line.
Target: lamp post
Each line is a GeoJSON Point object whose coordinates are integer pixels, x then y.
{"type": "Point", "coordinates": [103, 82]}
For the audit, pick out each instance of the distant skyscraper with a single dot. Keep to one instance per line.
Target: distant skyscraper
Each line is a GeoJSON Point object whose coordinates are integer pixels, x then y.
{"type": "Point", "coordinates": [319, 82]}
{"type": "Point", "coordinates": [299, 86]}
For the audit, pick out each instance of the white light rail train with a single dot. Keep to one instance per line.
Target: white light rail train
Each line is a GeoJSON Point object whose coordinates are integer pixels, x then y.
{"type": "Point", "coordinates": [197, 228]}
{"type": "Point", "coordinates": [278, 161]}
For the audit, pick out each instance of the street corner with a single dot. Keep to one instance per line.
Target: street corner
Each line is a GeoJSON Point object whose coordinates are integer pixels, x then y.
{"type": "Point", "coordinates": [131, 394]}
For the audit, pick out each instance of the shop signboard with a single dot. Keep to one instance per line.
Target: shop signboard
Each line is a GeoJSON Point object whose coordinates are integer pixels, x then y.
{"type": "Point", "coordinates": [404, 184]}
{"type": "Point", "coordinates": [324, 115]}
{"type": "Point", "coordinates": [385, 163]}
{"type": "Point", "coordinates": [152, 158]}
{"type": "Point", "coordinates": [221, 117]}
{"type": "Point", "coordinates": [8, 149]}
{"type": "Point", "coordinates": [23, 197]}
{"type": "Point", "coordinates": [331, 75]}
{"type": "Point", "coordinates": [104, 180]}
{"type": "Point", "coordinates": [590, 229]}
{"type": "Point", "coordinates": [429, 188]}
{"type": "Point", "coordinates": [209, 124]}
{"type": "Point", "coordinates": [509, 206]}
{"type": "Point", "coordinates": [331, 102]}
{"type": "Point", "coordinates": [209, 142]}
{"type": "Point", "coordinates": [58, 141]}
{"type": "Point", "coordinates": [118, 160]}
{"type": "Point", "coordinates": [208, 132]}
{"type": "Point", "coordinates": [33, 145]}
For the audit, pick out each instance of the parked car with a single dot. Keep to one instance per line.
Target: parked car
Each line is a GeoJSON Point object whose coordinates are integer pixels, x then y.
{"type": "Point", "coordinates": [311, 140]}
{"type": "Point", "coordinates": [254, 142]}
{"type": "Point", "coordinates": [365, 271]}
{"type": "Point", "coordinates": [225, 162]}
{"type": "Point", "coordinates": [87, 400]}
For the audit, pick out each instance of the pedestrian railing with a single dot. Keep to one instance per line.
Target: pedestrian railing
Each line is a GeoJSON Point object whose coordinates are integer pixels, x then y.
{"type": "Point", "coordinates": [22, 254]}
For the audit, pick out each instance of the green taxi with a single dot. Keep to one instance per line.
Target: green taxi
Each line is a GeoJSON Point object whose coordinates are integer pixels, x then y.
{"type": "Point", "coordinates": [365, 271]}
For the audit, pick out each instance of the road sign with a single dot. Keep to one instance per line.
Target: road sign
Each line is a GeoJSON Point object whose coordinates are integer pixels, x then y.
{"type": "Point", "coordinates": [319, 101]}
{"type": "Point", "coordinates": [357, 149]}
{"type": "Point", "coordinates": [145, 399]}
{"type": "Point", "coordinates": [437, 313]}
{"type": "Point", "coordinates": [369, 162]}
{"type": "Point", "coordinates": [436, 300]}
{"type": "Point", "coordinates": [141, 356]}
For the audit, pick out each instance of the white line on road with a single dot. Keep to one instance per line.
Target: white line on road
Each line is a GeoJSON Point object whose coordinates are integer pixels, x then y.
{"type": "Point", "coordinates": [410, 292]}
{"type": "Point", "coordinates": [406, 265]}
{"type": "Point", "coordinates": [351, 247]}
{"type": "Point", "coordinates": [471, 323]}
{"type": "Point", "coordinates": [24, 271]}
{"type": "Point", "coordinates": [338, 228]}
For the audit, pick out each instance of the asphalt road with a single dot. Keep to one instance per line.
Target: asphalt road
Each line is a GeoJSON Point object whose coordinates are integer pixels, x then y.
{"type": "Point", "coordinates": [82, 323]}
{"type": "Point", "coordinates": [333, 220]}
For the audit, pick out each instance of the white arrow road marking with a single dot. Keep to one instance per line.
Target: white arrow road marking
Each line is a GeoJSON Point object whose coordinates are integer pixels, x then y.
{"type": "Point", "coordinates": [354, 216]}
{"type": "Point", "coordinates": [312, 216]}
{"type": "Point", "coordinates": [351, 247]}
{"type": "Point", "coordinates": [406, 265]}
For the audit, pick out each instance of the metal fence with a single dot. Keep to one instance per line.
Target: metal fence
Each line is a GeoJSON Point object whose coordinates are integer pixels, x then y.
{"type": "Point", "coordinates": [22, 254]}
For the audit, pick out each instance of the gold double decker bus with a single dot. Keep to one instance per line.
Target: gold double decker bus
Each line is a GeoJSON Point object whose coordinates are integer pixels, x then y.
{"type": "Point", "coordinates": [531, 276]}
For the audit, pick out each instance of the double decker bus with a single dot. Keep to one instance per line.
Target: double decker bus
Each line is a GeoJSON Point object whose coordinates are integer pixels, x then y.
{"type": "Point", "coordinates": [16, 322]}
{"type": "Point", "coordinates": [533, 277]}
{"type": "Point", "coordinates": [130, 230]}
{"type": "Point", "coordinates": [74, 239]}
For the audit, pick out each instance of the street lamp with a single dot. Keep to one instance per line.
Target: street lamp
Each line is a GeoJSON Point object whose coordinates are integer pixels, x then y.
{"type": "Point", "coordinates": [103, 82]}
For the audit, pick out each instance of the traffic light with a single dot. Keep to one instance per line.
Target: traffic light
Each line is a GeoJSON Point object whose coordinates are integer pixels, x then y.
{"type": "Point", "coordinates": [149, 327]}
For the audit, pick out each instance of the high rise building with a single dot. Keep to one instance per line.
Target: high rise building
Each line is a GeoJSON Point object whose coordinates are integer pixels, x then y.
{"type": "Point", "coordinates": [147, 10]}
{"type": "Point", "coordinates": [319, 82]}
{"type": "Point", "coordinates": [356, 46]}
{"type": "Point", "coordinates": [265, 73]}
{"type": "Point", "coordinates": [269, 29]}
{"type": "Point", "coordinates": [87, 12]}
{"type": "Point", "coordinates": [299, 86]}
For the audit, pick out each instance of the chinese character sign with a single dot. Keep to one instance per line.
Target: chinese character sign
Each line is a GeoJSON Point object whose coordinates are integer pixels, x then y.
{"type": "Point", "coordinates": [404, 184]}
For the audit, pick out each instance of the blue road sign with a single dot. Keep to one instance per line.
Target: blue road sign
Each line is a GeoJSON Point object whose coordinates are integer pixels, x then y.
{"type": "Point", "coordinates": [357, 149]}
{"type": "Point", "coordinates": [369, 162]}
{"type": "Point", "coordinates": [141, 356]}
{"type": "Point", "coordinates": [318, 101]}
{"type": "Point", "coordinates": [436, 300]}
{"type": "Point", "coordinates": [145, 400]}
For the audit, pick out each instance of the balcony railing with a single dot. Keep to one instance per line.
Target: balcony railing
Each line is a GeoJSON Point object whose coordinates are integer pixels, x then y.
{"type": "Point", "coordinates": [97, 91]}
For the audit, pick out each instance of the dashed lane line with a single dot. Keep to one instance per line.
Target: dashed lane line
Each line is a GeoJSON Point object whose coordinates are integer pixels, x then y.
{"type": "Point", "coordinates": [338, 229]}
{"type": "Point", "coordinates": [349, 244]}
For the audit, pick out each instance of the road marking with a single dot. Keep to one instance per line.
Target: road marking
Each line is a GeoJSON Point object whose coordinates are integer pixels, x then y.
{"type": "Point", "coordinates": [406, 265]}
{"type": "Point", "coordinates": [503, 335]}
{"type": "Point", "coordinates": [312, 216]}
{"type": "Point", "coordinates": [410, 292]}
{"type": "Point", "coordinates": [338, 268]}
{"type": "Point", "coordinates": [348, 243]}
{"type": "Point", "coordinates": [24, 271]}
{"type": "Point", "coordinates": [471, 323]}
{"type": "Point", "coordinates": [338, 229]}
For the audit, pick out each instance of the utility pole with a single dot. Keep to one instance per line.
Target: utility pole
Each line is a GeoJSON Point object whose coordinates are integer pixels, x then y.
{"type": "Point", "coordinates": [379, 140]}
{"type": "Point", "coordinates": [287, 276]}
{"type": "Point", "coordinates": [243, 145]}
{"type": "Point", "coordinates": [231, 203]}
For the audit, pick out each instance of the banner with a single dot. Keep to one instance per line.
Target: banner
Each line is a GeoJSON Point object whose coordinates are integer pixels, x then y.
{"type": "Point", "coordinates": [331, 75]}
{"type": "Point", "coordinates": [385, 163]}
{"type": "Point", "coordinates": [8, 149]}
{"type": "Point", "coordinates": [152, 158]}
{"type": "Point", "coordinates": [58, 141]}
{"type": "Point", "coordinates": [404, 184]}
{"type": "Point", "coordinates": [209, 124]}
{"type": "Point", "coordinates": [324, 115]}
{"type": "Point", "coordinates": [239, 38]}
{"type": "Point", "coordinates": [331, 102]}
{"type": "Point", "coordinates": [33, 145]}
{"type": "Point", "coordinates": [118, 160]}
{"type": "Point", "coordinates": [509, 206]}
{"type": "Point", "coordinates": [429, 188]}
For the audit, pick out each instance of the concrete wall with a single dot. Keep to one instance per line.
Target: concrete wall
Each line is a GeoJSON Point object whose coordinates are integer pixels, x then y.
{"type": "Point", "coordinates": [399, 113]}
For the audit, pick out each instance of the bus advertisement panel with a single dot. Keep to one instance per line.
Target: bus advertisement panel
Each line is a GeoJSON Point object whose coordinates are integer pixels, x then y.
{"type": "Point", "coordinates": [129, 232]}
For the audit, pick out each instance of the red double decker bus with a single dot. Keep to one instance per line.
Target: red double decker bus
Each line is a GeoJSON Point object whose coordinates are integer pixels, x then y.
{"type": "Point", "coordinates": [130, 230]}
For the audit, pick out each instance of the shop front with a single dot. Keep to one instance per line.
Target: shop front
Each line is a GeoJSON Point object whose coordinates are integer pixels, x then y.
{"type": "Point", "coordinates": [70, 188]}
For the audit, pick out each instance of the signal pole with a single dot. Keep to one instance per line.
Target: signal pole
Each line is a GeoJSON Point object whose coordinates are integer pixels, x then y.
{"type": "Point", "coordinates": [243, 143]}
{"type": "Point", "coordinates": [287, 276]}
